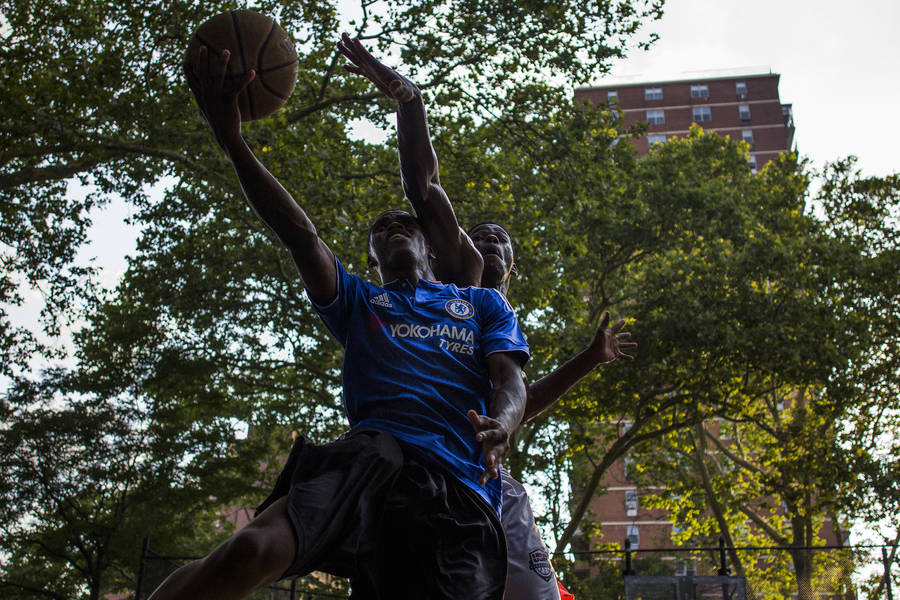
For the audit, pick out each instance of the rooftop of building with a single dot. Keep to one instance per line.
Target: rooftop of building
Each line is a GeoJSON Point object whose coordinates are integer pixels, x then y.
{"type": "Point", "coordinates": [702, 76]}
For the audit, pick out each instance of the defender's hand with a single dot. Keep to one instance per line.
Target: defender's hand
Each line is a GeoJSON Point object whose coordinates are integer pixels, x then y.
{"type": "Point", "coordinates": [495, 443]}
{"type": "Point", "coordinates": [609, 341]}
{"type": "Point", "coordinates": [392, 84]}
{"type": "Point", "coordinates": [216, 97]}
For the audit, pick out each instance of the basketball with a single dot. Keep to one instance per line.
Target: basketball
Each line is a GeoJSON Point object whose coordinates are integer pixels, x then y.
{"type": "Point", "coordinates": [255, 42]}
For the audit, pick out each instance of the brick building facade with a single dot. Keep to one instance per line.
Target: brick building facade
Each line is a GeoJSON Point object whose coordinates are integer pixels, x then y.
{"type": "Point", "coordinates": [745, 107]}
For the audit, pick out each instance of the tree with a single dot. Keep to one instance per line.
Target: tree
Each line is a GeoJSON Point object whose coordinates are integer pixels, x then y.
{"type": "Point", "coordinates": [804, 447]}
{"type": "Point", "coordinates": [95, 93]}
{"type": "Point", "coordinates": [208, 333]}
{"type": "Point", "coordinates": [85, 478]}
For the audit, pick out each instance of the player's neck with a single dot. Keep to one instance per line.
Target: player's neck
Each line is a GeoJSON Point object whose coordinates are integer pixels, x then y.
{"type": "Point", "coordinates": [412, 273]}
{"type": "Point", "coordinates": [495, 280]}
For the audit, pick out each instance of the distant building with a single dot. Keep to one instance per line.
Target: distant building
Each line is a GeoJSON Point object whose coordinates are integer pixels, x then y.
{"type": "Point", "coordinates": [743, 107]}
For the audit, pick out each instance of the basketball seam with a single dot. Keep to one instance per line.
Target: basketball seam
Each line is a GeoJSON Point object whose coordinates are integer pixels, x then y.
{"type": "Point", "coordinates": [260, 70]}
{"type": "Point", "coordinates": [240, 43]}
{"type": "Point", "coordinates": [262, 47]}
{"type": "Point", "coordinates": [281, 66]}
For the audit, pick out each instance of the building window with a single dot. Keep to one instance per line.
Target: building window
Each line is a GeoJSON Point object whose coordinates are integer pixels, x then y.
{"type": "Point", "coordinates": [747, 136]}
{"type": "Point", "coordinates": [653, 93]}
{"type": "Point", "coordinates": [744, 112]}
{"type": "Point", "coordinates": [656, 138]}
{"type": "Point", "coordinates": [740, 88]}
{"type": "Point", "coordinates": [612, 96]}
{"type": "Point", "coordinates": [700, 90]}
{"type": "Point", "coordinates": [628, 466]}
{"type": "Point", "coordinates": [631, 503]}
{"type": "Point", "coordinates": [752, 163]}
{"type": "Point", "coordinates": [725, 433]}
{"type": "Point", "coordinates": [685, 568]}
{"type": "Point", "coordinates": [633, 535]}
{"type": "Point", "coordinates": [788, 115]}
{"type": "Point", "coordinates": [702, 113]}
{"type": "Point", "coordinates": [656, 117]}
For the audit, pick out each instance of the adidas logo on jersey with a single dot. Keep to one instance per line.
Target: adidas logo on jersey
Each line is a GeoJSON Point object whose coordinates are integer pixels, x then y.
{"type": "Point", "coordinates": [381, 300]}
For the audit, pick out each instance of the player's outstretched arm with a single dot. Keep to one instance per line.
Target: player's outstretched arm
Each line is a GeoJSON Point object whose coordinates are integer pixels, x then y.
{"type": "Point", "coordinates": [506, 410]}
{"type": "Point", "coordinates": [608, 345]}
{"type": "Point", "coordinates": [457, 259]}
{"type": "Point", "coordinates": [217, 100]}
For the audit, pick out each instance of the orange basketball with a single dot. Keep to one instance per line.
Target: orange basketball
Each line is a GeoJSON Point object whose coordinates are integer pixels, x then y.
{"type": "Point", "coordinates": [256, 42]}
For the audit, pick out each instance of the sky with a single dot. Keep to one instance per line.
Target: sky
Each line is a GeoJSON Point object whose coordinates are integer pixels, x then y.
{"type": "Point", "coordinates": [839, 63]}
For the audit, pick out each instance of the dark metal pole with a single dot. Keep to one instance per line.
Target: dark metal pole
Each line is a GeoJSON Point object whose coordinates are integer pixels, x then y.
{"type": "Point", "coordinates": [887, 573]}
{"type": "Point", "coordinates": [294, 589]}
{"type": "Point", "coordinates": [140, 578]}
{"type": "Point", "coordinates": [628, 570]}
{"type": "Point", "coordinates": [723, 571]}
{"type": "Point", "coordinates": [723, 564]}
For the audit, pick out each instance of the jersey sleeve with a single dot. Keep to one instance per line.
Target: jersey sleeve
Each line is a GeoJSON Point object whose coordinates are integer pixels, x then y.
{"type": "Point", "coordinates": [500, 327]}
{"type": "Point", "coordinates": [336, 314]}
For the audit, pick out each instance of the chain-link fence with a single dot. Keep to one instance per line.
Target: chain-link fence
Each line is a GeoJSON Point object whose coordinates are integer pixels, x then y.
{"type": "Point", "coordinates": [861, 572]}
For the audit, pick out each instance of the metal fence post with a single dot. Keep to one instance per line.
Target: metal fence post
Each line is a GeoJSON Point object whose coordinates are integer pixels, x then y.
{"type": "Point", "coordinates": [140, 578]}
{"type": "Point", "coordinates": [723, 563]}
{"type": "Point", "coordinates": [628, 570]}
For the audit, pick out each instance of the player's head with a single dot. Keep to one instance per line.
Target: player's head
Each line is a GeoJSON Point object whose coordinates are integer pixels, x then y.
{"type": "Point", "coordinates": [494, 243]}
{"type": "Point", "coordinates": [397, 244]}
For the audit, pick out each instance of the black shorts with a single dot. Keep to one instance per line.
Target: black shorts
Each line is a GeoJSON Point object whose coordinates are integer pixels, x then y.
{"type": "Point", "coordinates": [397, 526]}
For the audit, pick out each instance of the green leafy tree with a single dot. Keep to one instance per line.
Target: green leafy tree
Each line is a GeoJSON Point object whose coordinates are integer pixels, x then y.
{"type": "Point", "coordinates": [800, 442]}
{"type": "Point", "coordinates": [208, 333]}
{"type": "Point", "coordinates": [85, 477]}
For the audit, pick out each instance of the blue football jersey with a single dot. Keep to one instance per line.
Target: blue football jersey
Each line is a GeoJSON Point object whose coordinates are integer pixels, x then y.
{"type": "Point", "coordinates": [415, 362]}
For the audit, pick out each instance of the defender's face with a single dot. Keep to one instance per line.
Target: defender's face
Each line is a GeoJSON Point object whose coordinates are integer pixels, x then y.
{"type": "Point", "coordinates": [396, 231]}
{"type": "Point", "coordinates": [494, 245]}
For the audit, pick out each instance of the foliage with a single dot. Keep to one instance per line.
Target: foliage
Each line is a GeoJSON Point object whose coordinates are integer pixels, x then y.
{"type": "Point", "coordinates": [85, 478]}
{"type": "Point", "coordinates": [790, 462]}
{"type": "Point", "coordinates": [738, 292]}
{"type": "Point", "coordinates": [208, 333]}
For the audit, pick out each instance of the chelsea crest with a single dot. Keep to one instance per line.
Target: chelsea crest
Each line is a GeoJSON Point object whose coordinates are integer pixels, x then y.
{"type": "Point", "coordinates": [459, 309]}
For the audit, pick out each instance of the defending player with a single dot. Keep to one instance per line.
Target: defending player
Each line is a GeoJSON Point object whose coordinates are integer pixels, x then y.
{"type": "Point", "coordinates": [423, 361]}
{"type": "Point", "coordinates": [484, 258]}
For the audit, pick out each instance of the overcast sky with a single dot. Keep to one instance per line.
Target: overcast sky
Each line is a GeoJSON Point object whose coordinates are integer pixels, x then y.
{"type": "Point", "coordinates": [839, 63]}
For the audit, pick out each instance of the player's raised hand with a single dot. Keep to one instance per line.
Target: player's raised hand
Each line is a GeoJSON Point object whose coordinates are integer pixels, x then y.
{"type": "Point", "coordinates": [216, 95]}
{"type": "Point", "coordinates": [495, 443]}
{"type": "Point", "coordinates": [390, 82]}
{"type": "Point", "coordinates": [609, 342]}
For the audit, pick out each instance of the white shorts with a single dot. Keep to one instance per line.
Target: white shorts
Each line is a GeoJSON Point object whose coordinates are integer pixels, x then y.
{"type": "Point", "coordinates": [529, 574]}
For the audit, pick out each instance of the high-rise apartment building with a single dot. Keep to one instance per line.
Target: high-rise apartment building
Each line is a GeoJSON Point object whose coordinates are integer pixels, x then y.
{"type": "Point", "coordinates": [743, 107]}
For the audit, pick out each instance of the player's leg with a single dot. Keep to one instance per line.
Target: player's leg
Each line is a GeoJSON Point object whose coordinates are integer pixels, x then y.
{"type": "Point", "coordinates": [257, 555]}
{"type": "Point", "coordinates": [529, 574]}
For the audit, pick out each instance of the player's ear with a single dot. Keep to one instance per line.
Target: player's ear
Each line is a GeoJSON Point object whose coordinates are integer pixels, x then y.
{"type": "Point", "coordinates": [372, 262]}
{"type": "Point", "coordinates": [513, 269]}
{"type": "Point", "coordinates": [431, 254]}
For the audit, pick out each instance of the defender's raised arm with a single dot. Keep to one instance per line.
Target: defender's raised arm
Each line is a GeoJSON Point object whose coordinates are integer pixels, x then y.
{"type": "Point", "coordinates": [456, 260]}
{"type": "Point", "coordinates": [609, 344]}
